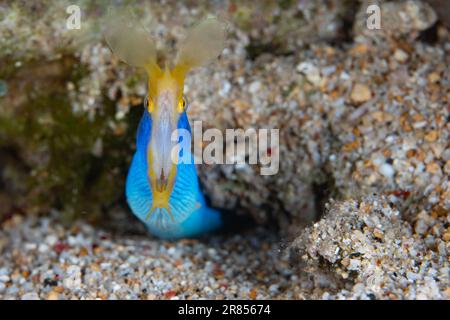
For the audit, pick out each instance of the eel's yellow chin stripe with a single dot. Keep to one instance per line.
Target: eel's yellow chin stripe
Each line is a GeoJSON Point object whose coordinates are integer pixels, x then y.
{"type": "Point", "coordinates": [161, 191]}
{"type": "Point", "coordinates": [162, 187]}
{"type": "Point", "coordinates": [161, 202]}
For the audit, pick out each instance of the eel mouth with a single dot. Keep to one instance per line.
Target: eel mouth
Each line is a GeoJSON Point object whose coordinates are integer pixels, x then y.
{"type": "Point", "coordinates": [162, 182]}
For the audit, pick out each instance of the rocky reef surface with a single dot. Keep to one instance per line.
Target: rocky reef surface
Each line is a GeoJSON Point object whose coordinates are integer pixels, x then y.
{"type": "Point", "coordinates": [362, 198]}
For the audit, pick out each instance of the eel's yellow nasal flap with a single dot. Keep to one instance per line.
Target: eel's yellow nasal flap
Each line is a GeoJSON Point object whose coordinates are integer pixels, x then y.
{"type": "Point", "coordinates": [128, 39]}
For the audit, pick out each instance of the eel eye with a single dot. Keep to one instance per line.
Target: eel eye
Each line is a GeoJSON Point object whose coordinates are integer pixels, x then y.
{"type": "Point", "coordinates": [148, 103]}
{"type": "Point", "coordinates": [183, 104]}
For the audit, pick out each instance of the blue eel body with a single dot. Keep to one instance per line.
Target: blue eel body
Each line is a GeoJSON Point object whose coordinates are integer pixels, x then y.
{"type": "Point", "coordinates": [191, 216]}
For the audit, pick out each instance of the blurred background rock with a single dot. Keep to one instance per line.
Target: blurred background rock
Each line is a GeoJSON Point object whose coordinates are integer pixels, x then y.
{"type": "Point", "coordinates": [358, 109]}
{"type": "Point", "coordinates": [363, 118]}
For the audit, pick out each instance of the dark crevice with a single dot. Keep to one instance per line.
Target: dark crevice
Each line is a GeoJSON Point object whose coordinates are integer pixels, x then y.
{"type": "Point", "coordinates": [323, 191]}
{"type": "Point", "coordinates": [430, 35]}
{"type": "Point", "coordinates": [234, 221]}
{"type": "Point", "coordinates": [345, 29]}
{"type": "Point", "coordinates": [257, 48]}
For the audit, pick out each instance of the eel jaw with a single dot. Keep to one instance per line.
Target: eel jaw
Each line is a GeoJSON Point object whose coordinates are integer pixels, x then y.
{"type": "Point", "coordinates": [153, 209]}
{"type": "Point", "coordinates": [161, 191]}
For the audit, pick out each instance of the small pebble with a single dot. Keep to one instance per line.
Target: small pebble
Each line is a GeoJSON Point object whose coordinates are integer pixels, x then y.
{"type": "Point", "coordinates": [53, 295]}
{"type": "Point", "coordinates": [360, 93]}
{"type": "Point", "coordinates": [400, 55]}
{"type": "Point", "coordinates": [387, 170]}
{"type": "Point", "coordinates": [30, 296]}
{"type": "Point", "coordinates": [311, 72]}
